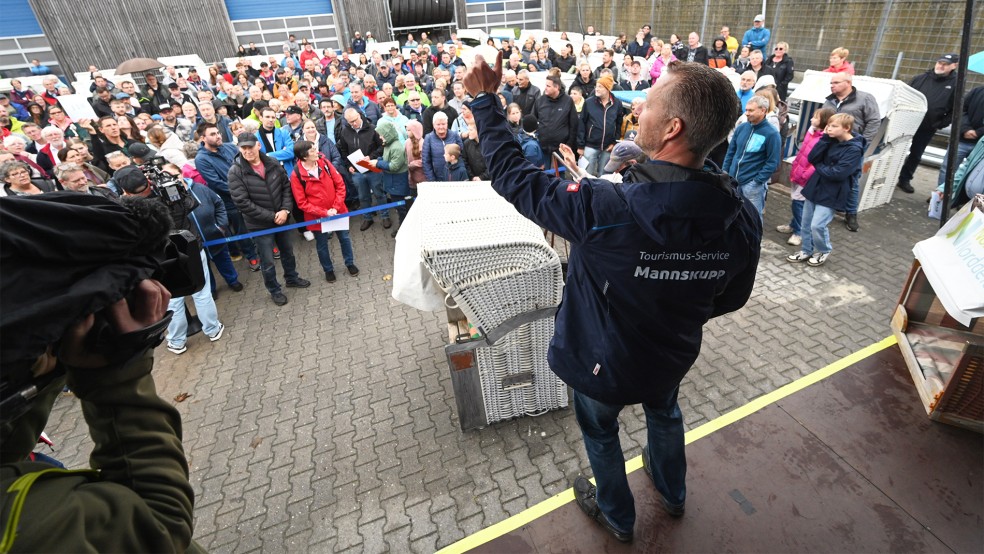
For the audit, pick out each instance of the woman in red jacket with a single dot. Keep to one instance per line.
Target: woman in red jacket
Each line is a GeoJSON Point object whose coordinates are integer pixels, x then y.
{"type": "Point", "coordinates": [320, 192]}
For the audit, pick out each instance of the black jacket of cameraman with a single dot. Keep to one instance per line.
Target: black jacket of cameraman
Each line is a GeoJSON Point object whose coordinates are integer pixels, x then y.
{"type": "Point", "coordinates": [181, 215]}
{"type": "Point", "coordinates": [259, 199]}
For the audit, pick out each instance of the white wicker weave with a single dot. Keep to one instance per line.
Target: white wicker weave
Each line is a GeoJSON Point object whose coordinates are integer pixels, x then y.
{"type": "Point", "coordinates": [495, 265]}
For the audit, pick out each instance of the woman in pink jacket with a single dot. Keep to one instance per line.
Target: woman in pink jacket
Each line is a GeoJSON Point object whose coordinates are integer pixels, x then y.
{"type": "Point", "coordinates": [801, 171]}
{"type": "Point", "coordinates": [659, 62]}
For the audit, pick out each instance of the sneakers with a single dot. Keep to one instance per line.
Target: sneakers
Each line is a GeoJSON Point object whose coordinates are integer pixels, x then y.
{"type": "Point", "coordinates": [218, 334]}
{"type": "Point", "coordinates": [366, 223]}
{"type": "Point", "coordinates": [254, 265]}
{"type": "Point", "coordinates": [584, 494]}
{"type": "Point", "coordinates": [330, 276]}
{"type": "Point", "coordinates": [387, 223]}
{"type": "Point", "coordinates": [279, 298]}
{"type": "Point", "coordinates": [818, 259]}
{"type": "Point", "coordinates": [177, 349]}
{"type": "Point", "coordinates": [353, 271]}
{"type": "Point", "coordinates": [237, 286]}
{"type": "Point", "coordinates": [236, 258]}
{"type": "Point", "coordinates": [851, 222]}
{"type": "Point", "coordinates": [308, 236]}
{"type": "Point", "coordinates": [276, 253]}
{"type": "Point", "coordinates": [675, 510]}
{"type": "Point", "coordinates": [299, 283]}
{"type": "Point", "coordinates": [795, 240]}
{"type": "Point", "coordinates": [906, 187]}
{"type": "Point", "coordinates": [785, 229]}
{"type": "Point", "coordinates": [798, 257]}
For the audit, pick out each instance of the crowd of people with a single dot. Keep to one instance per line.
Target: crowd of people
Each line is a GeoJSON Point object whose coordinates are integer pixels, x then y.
{"type": "Point", "coordinates": [363, 127]}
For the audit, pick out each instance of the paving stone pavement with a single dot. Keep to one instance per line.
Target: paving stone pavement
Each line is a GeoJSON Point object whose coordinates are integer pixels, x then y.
{"type": "Point", "coordinates": [328, 425]}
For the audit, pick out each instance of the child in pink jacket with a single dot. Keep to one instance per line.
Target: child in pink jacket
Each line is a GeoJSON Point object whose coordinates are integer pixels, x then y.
{"type": "Point", "coordinates": [801, 171]}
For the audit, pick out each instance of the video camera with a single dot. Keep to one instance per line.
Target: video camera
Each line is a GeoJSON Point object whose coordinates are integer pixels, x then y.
{"type": "Point", "coordinates": [164, 185]}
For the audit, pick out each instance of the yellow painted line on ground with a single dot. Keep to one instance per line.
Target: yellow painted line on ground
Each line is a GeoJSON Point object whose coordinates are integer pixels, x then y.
{"type": "Point", "coordinates": [543, 508]}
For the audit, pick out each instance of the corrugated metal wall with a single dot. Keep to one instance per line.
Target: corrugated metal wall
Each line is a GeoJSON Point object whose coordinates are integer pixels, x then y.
{"type": "Point", "coordinates": [107, 32]}
{"type": "Point", "coordinates": [921, 30]}
{"type": "Point", "coordinates": [362, 16]}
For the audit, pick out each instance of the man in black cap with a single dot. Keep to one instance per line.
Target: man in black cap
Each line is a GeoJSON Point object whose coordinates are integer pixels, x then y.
{"type": "Point", "coordinates": [260, 188]}
{"type": "Point", "coordinates": [293, 123]}
{"type": "Point", "coordinates": [937, 85]}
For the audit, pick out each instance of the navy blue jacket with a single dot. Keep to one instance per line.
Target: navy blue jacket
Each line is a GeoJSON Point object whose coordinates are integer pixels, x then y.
{"type": "Point", "coordinates": [210, 214]}
{"type": "Point", "coordinates": [432, 154]}
{"type": "Point", "coordinates": [214, 167]}
{"type": "Point", "coordinates": [836, 165]}
{"type": "Point", "coordinates": [600, 125]}
{"type": "Point", "coordinates": [652, 260]}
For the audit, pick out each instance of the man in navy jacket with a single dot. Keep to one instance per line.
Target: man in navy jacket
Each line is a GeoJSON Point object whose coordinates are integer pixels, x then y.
{"type": "Point", "coordinates": [653, 259]}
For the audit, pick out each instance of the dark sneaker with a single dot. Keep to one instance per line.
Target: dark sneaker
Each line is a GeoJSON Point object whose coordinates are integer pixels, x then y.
{"type": "Point", "coordinates": [584, 494]}
{"type": "Point", "coordinates": [330, 276]}
{"type": "Point", "coordinates": [366, 223]}
{"type": "Point", "coordinates": [254, 265]}
{"type": "Point", "coordinates": [387, 223]}
{"type": "Point", "coordinates": [279, 298]}
{"type": "Point", "coordinates": [299, 283]}
{"type": "Point", "coordinates": [851, 221]}
{"type": "Point", "coordinates": [353, 271]}
{"type": "Point", "coordinates": [237, 286]}
{"type": "Point", "coordinates": [906, 187]}
{"type": "Point", "coordinates": [675, 510]}
{"type": "Point", "coordinates": [276, 253]}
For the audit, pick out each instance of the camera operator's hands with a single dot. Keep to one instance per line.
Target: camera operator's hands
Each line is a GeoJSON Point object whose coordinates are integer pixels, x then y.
{"type": "Point", "coordinates": [482, 78]}
{"type": "Point", "coordinates": [148, 306]}
{"type": "Point", "coordinates": [281, 217]}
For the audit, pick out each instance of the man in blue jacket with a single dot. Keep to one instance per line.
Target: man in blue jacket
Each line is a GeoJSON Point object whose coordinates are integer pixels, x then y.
{"type": "Point", "coordinates": [213, 161]}
{"type": "Point", "coordinates": [758, 36]}
{"type": "Point", "coordinates": [275, 142]}
{"type": "Point", "coordinates": [653, 259]}
{"type": "Point", "coordinates": [754, 153]}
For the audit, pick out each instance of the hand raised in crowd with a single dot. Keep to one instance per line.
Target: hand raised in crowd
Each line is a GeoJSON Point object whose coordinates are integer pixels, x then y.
{"type": "Point", "coordinates": [482, 78]}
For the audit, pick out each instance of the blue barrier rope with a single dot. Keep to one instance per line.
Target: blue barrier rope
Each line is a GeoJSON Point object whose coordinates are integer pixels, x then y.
{"type": "Point", "coordinates": [281, 228]}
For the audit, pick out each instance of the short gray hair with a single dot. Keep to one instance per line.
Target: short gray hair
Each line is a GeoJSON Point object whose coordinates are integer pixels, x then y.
{"type": "Point", "coordinates": [759, 101]}
{"type": "Point", "coordinates": [6, 168]}
{"type": "Point", "coordinates": [440, 116]}
{"type": "Point", "coordinates": [62, 170]}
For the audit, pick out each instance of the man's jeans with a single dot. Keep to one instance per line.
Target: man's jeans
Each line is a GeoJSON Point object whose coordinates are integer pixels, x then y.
{"type": "Point", "coordinates": [370, 187]}
{"type": "Point", "coordinates": [797, 209]}
{"type": "Point", "coordinates": [223, 265]}
{"type": "Point", "coordinates": [264, 246]}
{"type": "Point", "coordinates": [237, 226]}
{"type": "Point", "coordinates": [324, 252]}
{"type": "Point", "coordinates": [177, 330]}
{"type": "Point", "coordinates": [667, 460]}
{"type": "Point", "coordinates": [755, 193]}
{"type": "Point", "coordinates": [596, 160]}
{"type": "Point", "coordinates": [815, 232]}
{"type": "Point", "coordinates": [963, 150]}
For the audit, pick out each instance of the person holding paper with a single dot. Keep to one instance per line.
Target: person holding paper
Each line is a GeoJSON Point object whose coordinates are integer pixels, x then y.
{"type": "Point", "coordinates": [357, 141]}
{"type": "Point", "coordinates": [319, 190]}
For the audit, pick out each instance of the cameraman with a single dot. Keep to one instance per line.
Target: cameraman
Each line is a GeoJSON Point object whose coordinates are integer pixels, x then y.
{"type": "Point", "coordinates": [60, 290]}
{"type": "Point", "coordinates": [132, 180]}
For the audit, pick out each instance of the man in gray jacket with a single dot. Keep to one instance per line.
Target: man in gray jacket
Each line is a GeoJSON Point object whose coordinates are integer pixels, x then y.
{"type": "Point", "coordinates": [844, 98]}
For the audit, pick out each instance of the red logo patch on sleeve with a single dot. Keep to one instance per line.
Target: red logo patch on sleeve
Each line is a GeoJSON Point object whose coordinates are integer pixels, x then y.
{"type": "Point", "coordinates": [573, 187]}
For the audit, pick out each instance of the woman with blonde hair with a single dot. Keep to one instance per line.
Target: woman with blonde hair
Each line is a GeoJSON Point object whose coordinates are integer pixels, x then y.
{"type": "Point", "coordinates": [839, 63]}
